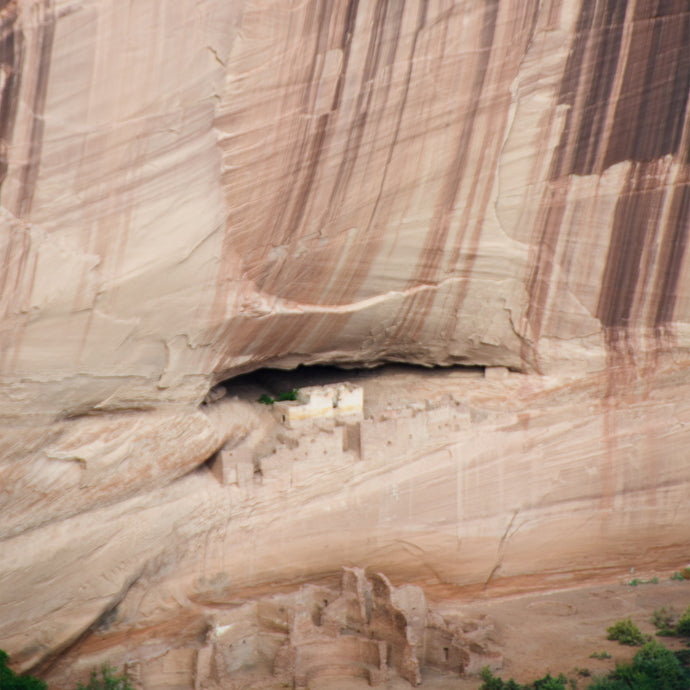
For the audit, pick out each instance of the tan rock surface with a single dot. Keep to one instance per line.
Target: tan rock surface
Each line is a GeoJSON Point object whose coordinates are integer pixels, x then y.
{"type": "Point", "coordinates": [191, 190]}
{"type": "Point", "coordinates": [459, 482]}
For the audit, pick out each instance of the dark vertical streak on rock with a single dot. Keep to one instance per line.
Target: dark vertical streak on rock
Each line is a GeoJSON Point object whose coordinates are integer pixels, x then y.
{"type": "Point", "coordinates": [672, 254]}
{"type": "Point", "coordinates": [433, 251]}
{"type": "Point", "coordinates": [573, 67]}
{"type": "Point", "coordinates": [29, 174]}
{"type": "Point", "coordinates": [431, 255]}
{"type": "Point", "coordinates": [646, 124]}
{"type": "Point", "coordinates": [356, 133]}
{"type": "Point", "coordinates": [11, 48]}
{"type": "Point", "coordinates": [313, 156]}
{"type": "Point", "coordinates": [646, 147]}
{"type": "Point", "coordinates": [346, 47]}
{"type": "Point", "coordinates": [549, 221]}
{"type": "Point", "coordinates": [649, 114]}
{"type": "Point", "coordinates": [469, 245]}
{"type": "Point", "coordinates": [599, 31]}
{"type": "Point", "coordinates": [680, 88]}
{"type": "Point", "coordinates": [631, 219]}
{"type": "Point", "coordinates": [421, 21]}
{"type": "Point", "coordinates": [608, 39]}
{"type": "Point", "coordinates": [379, 64]}
{"type": "Point", "coordinates": [571, 82]}
{"type": "Point", "coordinates": [310, 145]}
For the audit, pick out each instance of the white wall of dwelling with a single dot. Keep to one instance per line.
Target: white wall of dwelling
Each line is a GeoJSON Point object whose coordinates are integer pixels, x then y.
{"type": "Point", "coordinates": [342, 402]}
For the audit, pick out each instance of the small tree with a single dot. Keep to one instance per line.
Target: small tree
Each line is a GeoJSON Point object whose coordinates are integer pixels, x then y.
{"type": "Point", "coordinates": [626, 632]}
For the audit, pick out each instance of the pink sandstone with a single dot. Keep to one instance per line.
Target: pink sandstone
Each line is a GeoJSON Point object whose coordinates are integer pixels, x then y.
{"type": "Point", "coordinates": [194, 190]}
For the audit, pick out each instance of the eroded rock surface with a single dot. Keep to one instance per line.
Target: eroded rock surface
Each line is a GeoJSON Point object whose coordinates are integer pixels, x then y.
{"type": "Point", "coordinates": [192, 190]}
{"type": "Point", "coordinates": [457, 481]}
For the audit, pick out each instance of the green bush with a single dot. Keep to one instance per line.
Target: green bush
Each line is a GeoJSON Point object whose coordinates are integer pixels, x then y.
{"type": "Point", "coordinates": [109, 680]}
{"type": "Point", "coordinates": [683, 655]}
{"type": "Point", "coordinates": [636, 581]}
{"type": "Point", "coordinates": [626, 632]}
{"type": "Point", "coordinates": [548, 682]}
{"type": "Point", "coordinates": [683, 627]}
{"type": "Point", "coordinates": [653, 668]}
{"type": "Point", "coordinates": [600, 655]}
{"type": "Point", "coordinates": [281, 397]}
{"type": "Point", "coordinates": [664, 619]}
{"type": "Point", "coordinates": [9, 680]}
{"type": "Point", "coordinates": [289, 395]}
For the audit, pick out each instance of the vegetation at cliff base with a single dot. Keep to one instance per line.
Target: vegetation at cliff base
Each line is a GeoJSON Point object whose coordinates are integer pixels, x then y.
{"type": "Point", "coordinates": [9, 680]}
{"type": "Point", "coordinates": [654, 667]}
{"type": "Point", "coordinates": [665, 620]}
{"type": "Point", "coordinates": [108, 680]}
{"type": "Point", "coordinates": [548, 682]}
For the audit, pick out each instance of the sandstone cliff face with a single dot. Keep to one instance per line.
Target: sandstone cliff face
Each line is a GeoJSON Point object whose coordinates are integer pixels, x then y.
{"type": "Point", "coordinates": [191, 190]}
{"type": "Point", "coordinates": [194, 190]}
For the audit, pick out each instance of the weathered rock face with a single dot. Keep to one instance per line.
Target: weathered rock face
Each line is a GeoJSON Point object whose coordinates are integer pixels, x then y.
{"type": "Point", "coordinates": [456, 481]}
{"type": "Point", "coordinates": [190, 190]}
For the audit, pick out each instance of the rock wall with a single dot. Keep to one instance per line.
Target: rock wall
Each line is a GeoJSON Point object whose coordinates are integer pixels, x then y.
{"type": "Point", "coordinates": [192, 190]}
{"type": "Point", "coordinates": [487, 484]}
{"type": "Point", "coordinates": [195, 190]}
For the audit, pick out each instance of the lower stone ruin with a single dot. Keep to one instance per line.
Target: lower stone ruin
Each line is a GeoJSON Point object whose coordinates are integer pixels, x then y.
{"type": "Point", "coordinates": [368, 629]}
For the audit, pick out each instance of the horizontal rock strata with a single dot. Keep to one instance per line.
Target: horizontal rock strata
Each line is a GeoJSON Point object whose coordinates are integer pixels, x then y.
{"type": "Point", "coordinates": [456, 481]}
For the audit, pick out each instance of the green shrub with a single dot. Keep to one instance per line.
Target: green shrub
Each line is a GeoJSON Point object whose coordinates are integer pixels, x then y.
{"type": "Point", "coordinates": [664, 619]}
{"type": "Point", "coordinates": [281, 397]}
{"type": "Point", "coordinates": [653, 668]}
{"type": "Point", "coordinates": [677, 576]}
{"type": "Point", "coordinates": [626, 632]}
{"type": "Point", "coordinates": [683, 655]}
{"type": "Point", "coordinates": [600, 655]}
{"type": "Point", "coordinates": [289, 395]}
{"type": "Point", "coordinates": [491, 682]}
{"type": "Point", "coordinates": [683, 627]}
{"type": "Point", "coordinates": [9, 680]}
{"type": "Point", "coordinates": [636, 581]}
{"type": "Point", "coordinates": [548, 682]}
{"type": "Point", "coordinates": [109, 680]}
